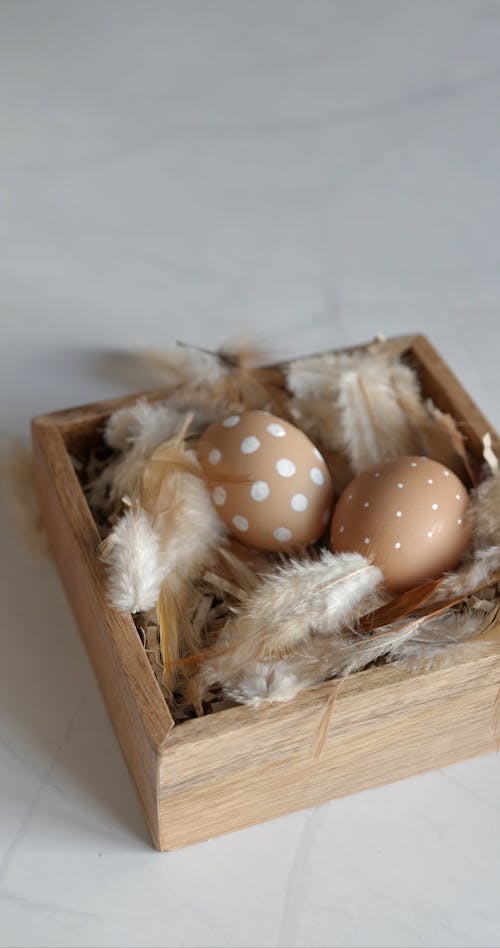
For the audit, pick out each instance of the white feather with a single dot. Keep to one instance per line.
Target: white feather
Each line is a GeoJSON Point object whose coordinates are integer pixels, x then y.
{"type": "Point", "coordinates": [264, 681]}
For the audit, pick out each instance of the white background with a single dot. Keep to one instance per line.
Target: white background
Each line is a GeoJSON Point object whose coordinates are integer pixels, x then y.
{"type": "Point", "coordinates": [305, 173]}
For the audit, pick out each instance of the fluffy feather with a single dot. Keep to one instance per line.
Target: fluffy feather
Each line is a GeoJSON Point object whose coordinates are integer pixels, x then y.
{"type": "Point", "coordinates": [180, 364]}
{"type": "Point", "coordinates": [189, 529]}
{"type": "Point", "coordinates": [135, 432]}
{"type": "Point", "coordinates": [134, 564]}
{"type": "Point", "coordinates": [174, 493]}
{"type": "Point", "coordinates": [476, 571]}
{"type": "Point", "coordinates": [320, 659]}
{"type": "Point", "coordinates": [366, 404]}
{"type": "Point", "coordinates": [485, 511]}
{"type": "Point", "coordinates": [303, 597]}
{"type": "Point", "coordinates": [20, 485]}
{"type": "Point", "coordinates": [442, 440]}
{"type": "Point", "coordinates": [369, 405]}
{"type": "Point", "coordinates": [231, 378]}
{"type": "Point", "coordinates": [452, 628]}
{"type": "Point", "coordinates": [373, 424]}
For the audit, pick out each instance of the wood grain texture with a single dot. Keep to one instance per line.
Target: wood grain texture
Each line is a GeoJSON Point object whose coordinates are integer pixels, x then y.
{"type": "Point", "coordinates": [241, 766]}
{"type": "Point", "coordinates": [140, 717]}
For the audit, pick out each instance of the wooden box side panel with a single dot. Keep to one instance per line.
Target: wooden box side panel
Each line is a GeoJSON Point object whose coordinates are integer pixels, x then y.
{"type": "Point", "coordinates": [137, 710]}
{"type": "Point", "coordinates": [373, 737]}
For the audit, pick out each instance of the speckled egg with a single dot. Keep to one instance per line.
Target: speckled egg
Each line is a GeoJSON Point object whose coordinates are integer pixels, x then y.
{"type": "Point", "coordinates": [269, 483]}
{"type": "Point", "coordinates": [406, 514]}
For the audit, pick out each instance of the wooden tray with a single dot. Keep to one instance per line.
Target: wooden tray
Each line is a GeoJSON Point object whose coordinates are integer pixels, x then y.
{"type": "Point", "coordinates": [241, 766]}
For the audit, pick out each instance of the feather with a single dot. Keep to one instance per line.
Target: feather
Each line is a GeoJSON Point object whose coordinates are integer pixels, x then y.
{"type": "Point", "coordinates": [134, 564]}
{"type": "Point", "coordinates": [230, 378]}
{"type": "Point", "coordinates": [373, 424]}
{"type": "Point", "coordinates": [189, 529]}
{"type": "Point", "coordinates": [366, 404]}
{"type": "Point", "coordinates": [489, 455]}
{"type": "Point", "coordinates": [477, 571]}
{"type": "Point", "coordinates": [443, 441]}
{"type": "Point", "coordinates": [301, 597]}
{"type": "Point", "coordinates": [321, 658]}
{"type": "Point", "coordinates": [398, 607]}
{"type": "Point", "coordinates": [20, 485]}
{"type": "Point", "coordinates": [135, 432]}
{"type": "Point", "coordinates": [175, 495]}
{"type": "Point", "coordinates": [452, 628]}
{"type": "Point", "coordinates": [264, 681]}
{"type": "Point", "coordinates": [485, 511]}
{"type": "Point", "coordinates": [181, 364]}
{"type": "Point", "coordinates": [370, 406]}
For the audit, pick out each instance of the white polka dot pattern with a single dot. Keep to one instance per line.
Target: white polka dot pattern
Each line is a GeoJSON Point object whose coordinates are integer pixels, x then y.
{"type": "Point", "coordinates": [299, 502]}
{"type": "Point", "coordinates": [260, 490]}
{"type": "Point", "coordinates": [282, 533]}
{"type": "Point", "coordinates": [219, 496]}
{"type": "Point", "coordinates": [317, 476]}
{"type": "Point", "coordinates": [214, 456]}
{"type": "Point", "coordinates": [276, 430]}
{"type": "Point", "coordinates": [249, 445]}
{"type": "Point", "coordinates": [285, 467]}
{"type": "Point", "coordinates": [241, 523]}
{"type": "Point", "coordinates": [231, 421]}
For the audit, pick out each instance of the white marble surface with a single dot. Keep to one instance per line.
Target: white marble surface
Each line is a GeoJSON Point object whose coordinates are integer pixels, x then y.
{"type": "Point", "coordinates": [309, 173]}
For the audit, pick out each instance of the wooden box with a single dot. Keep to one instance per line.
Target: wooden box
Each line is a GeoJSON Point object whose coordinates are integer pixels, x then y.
{"type": "Point", "coordinates": [241, 766]}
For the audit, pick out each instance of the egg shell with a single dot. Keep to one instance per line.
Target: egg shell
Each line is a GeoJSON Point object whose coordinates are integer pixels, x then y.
{"type": "Point", "coordinates": [408, 515]}
{"type": "Point", "coordinates": [269, 483]}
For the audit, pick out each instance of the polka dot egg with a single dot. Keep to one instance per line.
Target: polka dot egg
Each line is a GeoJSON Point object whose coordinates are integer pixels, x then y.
{"type": "Point", "coordinates": [269, 483]}
{"type": "Point", "coordinates": [408, 515]}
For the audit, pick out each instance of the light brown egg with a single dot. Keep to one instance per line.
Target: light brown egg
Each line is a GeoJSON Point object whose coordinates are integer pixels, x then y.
{"type": "Point", "coordinates": [270, 485]}
{"type": "Point", "coordinates": [408, 515]}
